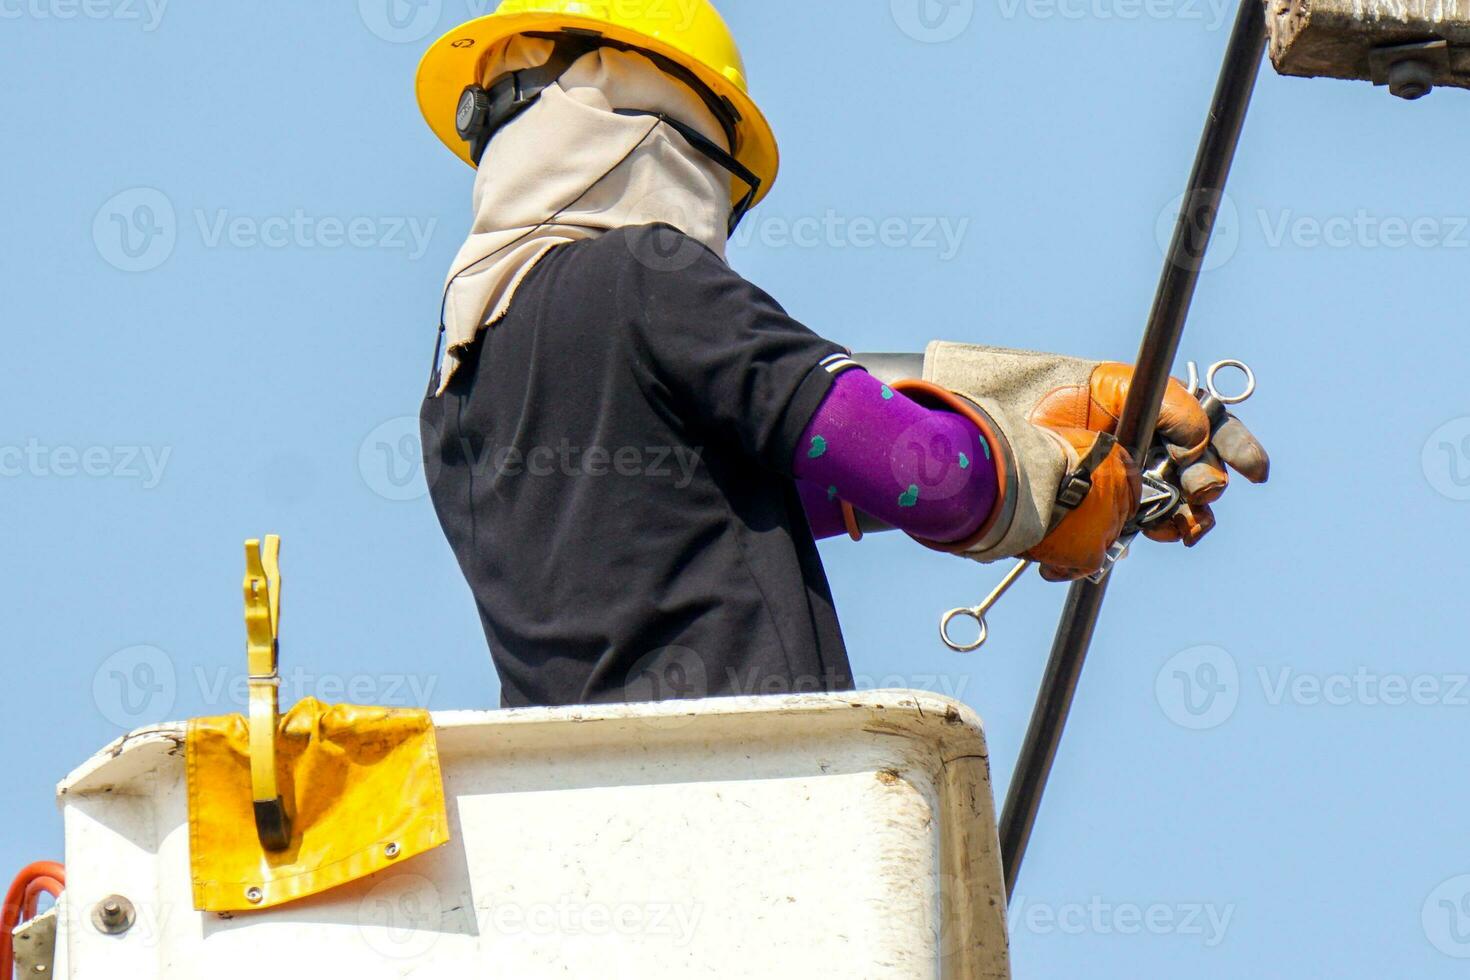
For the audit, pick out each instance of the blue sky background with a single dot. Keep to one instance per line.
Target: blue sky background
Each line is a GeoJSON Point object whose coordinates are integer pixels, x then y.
{"type": "Point", "coordinates": [1265, 772]}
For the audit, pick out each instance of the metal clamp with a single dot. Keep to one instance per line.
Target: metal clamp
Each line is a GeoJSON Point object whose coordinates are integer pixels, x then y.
{"type": "Point", "coordinates": [1161, 497]}
{"type": "Point", "coordinates": [262, 651]}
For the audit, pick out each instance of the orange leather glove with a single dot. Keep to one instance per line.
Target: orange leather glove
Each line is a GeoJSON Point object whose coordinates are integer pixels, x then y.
{"type": "Point", "coordinates": [1199, 451]}
{"type": "Point", "coordinates": [1078, 545]}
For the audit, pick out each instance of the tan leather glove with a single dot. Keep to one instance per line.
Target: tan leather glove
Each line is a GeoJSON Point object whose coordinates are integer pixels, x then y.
{"type": "Point", "coordinates": [1199, 452]}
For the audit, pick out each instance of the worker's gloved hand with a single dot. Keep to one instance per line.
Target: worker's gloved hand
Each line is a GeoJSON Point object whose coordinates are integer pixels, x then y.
{"type": "Point", "coordinates": [1065, 493]}
{"type": "Point", "coordinates": [1078, 543]}
{"type": "Point", "coordinates": [1053, 390]}
{"type": "Point", "coordinates": [1199, 453]}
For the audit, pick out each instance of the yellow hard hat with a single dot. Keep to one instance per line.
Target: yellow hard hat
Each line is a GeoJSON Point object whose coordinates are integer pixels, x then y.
{"type": "Point", "coordinates": [690, 33]}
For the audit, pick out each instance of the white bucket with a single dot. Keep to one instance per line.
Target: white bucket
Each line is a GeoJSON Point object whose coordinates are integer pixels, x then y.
{"type": "Point", "coordinates": [806, 837]}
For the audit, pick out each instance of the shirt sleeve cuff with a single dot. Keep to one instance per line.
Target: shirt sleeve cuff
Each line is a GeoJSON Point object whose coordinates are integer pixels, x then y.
{"type": "Point", "coordinates": [803, 404]}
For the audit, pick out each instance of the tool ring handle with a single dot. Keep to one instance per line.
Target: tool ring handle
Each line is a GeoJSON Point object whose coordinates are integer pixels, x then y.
{"type": "Point", "coordinates": [1214, 389]}
{"type": "Point", "coordinates": [968, 613]}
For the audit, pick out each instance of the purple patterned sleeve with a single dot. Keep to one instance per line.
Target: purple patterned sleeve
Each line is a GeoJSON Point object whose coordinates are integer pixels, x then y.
{"type": "Point", "coordinates": [923, 471]}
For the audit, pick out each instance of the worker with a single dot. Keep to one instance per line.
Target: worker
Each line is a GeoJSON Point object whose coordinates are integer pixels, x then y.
{"type": "Point", "coordinates": [633, 450]}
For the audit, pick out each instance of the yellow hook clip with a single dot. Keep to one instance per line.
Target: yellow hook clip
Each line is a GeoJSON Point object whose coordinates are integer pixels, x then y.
{"type": "Point", "coordinates": [262, 649]}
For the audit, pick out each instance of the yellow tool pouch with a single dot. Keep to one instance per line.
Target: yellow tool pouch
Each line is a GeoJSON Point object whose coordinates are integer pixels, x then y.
{"type": "Point", "coordinates": [362, 787]}
{"type": "Point", "coordinates": [285, 807]}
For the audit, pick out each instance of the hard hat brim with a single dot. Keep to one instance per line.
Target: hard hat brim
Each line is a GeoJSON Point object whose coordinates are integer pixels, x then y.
{"type": "Point", "coordinates": [453, 62]}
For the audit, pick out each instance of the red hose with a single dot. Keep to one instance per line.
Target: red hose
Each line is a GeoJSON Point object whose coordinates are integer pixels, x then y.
{"type": "Point", "coordinates": [20, 904]}
{"type": "Point", "coordinates": [44, 885]}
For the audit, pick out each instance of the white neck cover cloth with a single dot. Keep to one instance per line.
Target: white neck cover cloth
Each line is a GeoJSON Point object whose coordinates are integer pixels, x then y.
{"type": "Point", "coordinates": [569, 168]}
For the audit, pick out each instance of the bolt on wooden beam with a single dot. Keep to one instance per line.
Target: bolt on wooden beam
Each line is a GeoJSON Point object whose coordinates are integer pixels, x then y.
{"type": "Point", "coordinates": [1411, 46]}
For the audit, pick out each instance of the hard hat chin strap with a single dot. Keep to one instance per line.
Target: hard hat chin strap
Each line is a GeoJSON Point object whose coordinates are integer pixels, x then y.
{"type": "Point", "coordinates": [716, 154]}
{"type": "Point", "coordinates": [483, 111]}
